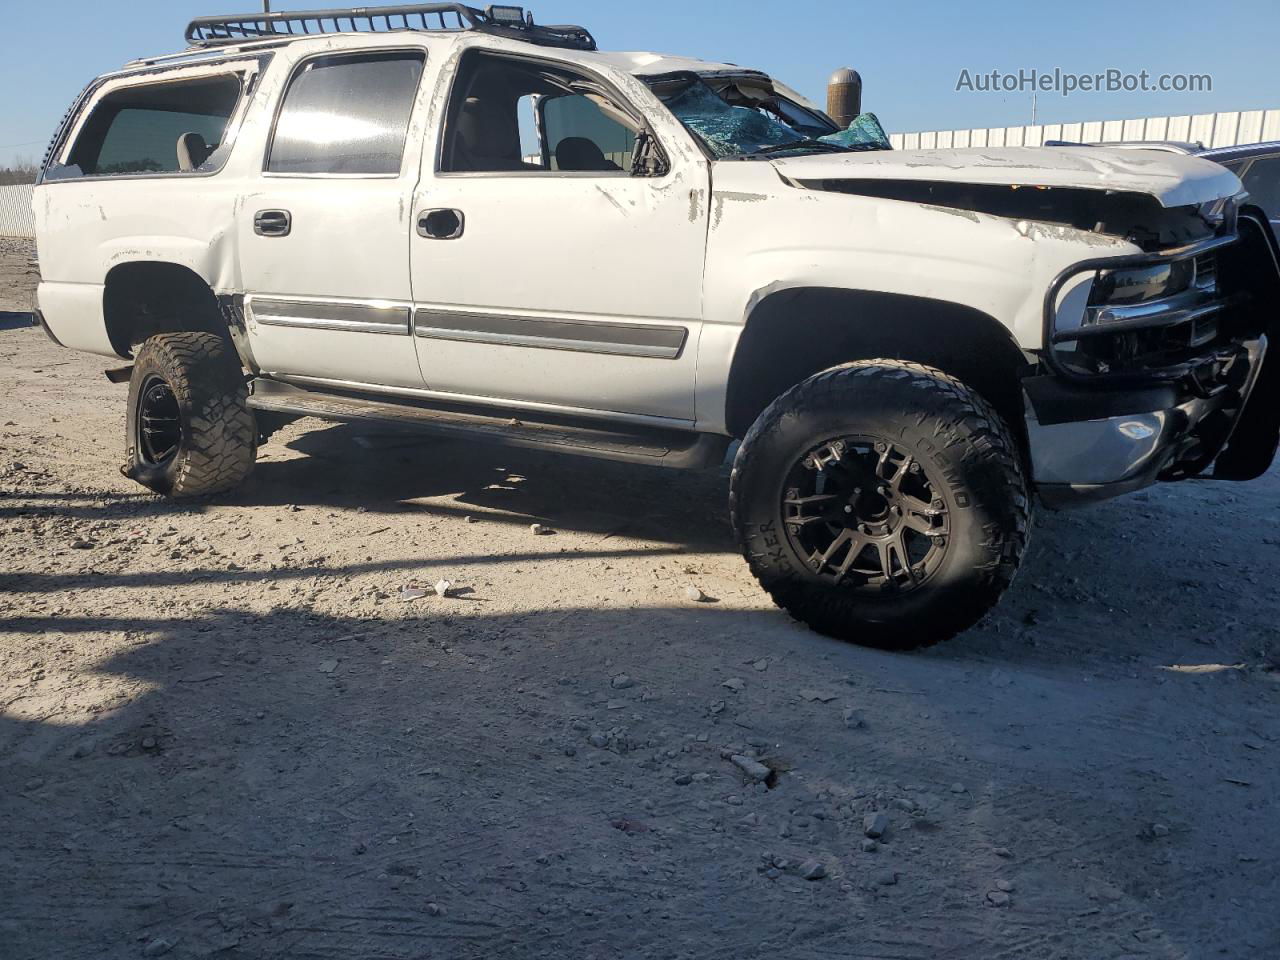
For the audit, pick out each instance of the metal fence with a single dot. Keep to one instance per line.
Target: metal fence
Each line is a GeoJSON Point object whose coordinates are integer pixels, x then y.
{"type": "Point", "coordinates": [1210, 129]}
{"type": "Point", "coordinates": [16, 217]}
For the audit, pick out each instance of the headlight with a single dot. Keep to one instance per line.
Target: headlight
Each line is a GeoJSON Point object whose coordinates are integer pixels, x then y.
{"type": "Point", "coordinates": [1156, 314]}
{"type": "Point", "coordinates": [1134, 292]}
{"type": "Point", "coordinates": [1142, 283]}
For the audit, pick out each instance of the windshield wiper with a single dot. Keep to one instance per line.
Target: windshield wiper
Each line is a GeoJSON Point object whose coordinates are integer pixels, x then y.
{"type": "Point", "coordinates": [800, 145]}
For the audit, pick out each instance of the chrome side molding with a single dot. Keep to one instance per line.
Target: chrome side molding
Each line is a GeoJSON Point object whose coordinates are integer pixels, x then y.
{"type": "Point", "coordinates": [352, 316]}
{"type": "Point", "coordinates": [586, 336]}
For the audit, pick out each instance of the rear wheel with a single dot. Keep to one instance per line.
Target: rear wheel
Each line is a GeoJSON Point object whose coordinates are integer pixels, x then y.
{"type": "Point", "coordinates": [190, 429]}
{"type": "Point", "coordinates": [881, 502]}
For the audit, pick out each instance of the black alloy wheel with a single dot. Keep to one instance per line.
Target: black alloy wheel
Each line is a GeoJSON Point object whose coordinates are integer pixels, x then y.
{"type": "Point", "coordinates": [160, 422]}
{"type": "Point", "coordinates": [882, 502]}
{"type": "Point", "coordinates": [865, 515]}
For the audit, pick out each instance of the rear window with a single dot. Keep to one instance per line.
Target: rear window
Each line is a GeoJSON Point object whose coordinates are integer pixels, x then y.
{"type": "Point", "coordinates": [347, 115]}
{"type": "Point", "coordinates": [172, 127]}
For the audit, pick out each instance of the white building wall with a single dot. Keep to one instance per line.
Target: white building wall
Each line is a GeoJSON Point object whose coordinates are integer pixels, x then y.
{"type": "Point", "coordinates": [1226, 129]}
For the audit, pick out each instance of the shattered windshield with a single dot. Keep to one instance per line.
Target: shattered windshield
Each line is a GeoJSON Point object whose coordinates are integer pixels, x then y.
{"type": "Point", "coordinates": [865, 133]}
{"type": "Point", "coordinates": [747, 119]}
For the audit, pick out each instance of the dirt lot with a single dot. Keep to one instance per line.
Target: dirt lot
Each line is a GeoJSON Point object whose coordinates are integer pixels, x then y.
{"type": "Point", "coordinates": [224, 733]}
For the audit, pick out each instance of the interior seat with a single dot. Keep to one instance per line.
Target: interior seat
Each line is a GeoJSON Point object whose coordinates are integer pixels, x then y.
{"type": "Point", "coordinates": [480, 143]}
{"type": "Point", "coordinates": [579, 153]}
{"type": "Point", "coordinates": [192, 152]}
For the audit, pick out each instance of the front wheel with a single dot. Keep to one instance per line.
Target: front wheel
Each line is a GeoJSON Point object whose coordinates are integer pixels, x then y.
{"type": "Point", "coordinates": [881, 502]}
{"type": "Point", "coordinates": [190, 429]}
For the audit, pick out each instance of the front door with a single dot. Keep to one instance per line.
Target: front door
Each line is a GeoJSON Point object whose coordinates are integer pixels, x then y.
{"type": "Point", "coordinates": [324, 237]}
{"type": "Point", "coordinates": [546, 272]}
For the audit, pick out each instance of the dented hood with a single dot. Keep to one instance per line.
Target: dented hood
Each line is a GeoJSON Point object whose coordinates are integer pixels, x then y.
{"type": "Point", "coordinates": [1174, 180]}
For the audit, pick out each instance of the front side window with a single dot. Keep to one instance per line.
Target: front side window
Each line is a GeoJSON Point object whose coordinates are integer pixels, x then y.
{"type": "Point", "coordinates": [581, 136]}
{"type": "Point", "coordinates": [517, 116]}
{"type": "Point", "coordinates": [172, 127]}
{"type": "Point", "coordinates": [347, 115]}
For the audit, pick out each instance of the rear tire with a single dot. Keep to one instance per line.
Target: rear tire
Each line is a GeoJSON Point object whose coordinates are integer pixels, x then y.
{"type": "Point", "coordinates": [881, 502]}
{"type": "Point", "coordinates": [190, 429]}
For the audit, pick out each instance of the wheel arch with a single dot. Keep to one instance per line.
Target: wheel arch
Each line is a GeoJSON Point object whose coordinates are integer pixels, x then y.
{"type": "Point", "coordinates": [142, 298]}
{"type": "Point", "coordinates": [793, 333]}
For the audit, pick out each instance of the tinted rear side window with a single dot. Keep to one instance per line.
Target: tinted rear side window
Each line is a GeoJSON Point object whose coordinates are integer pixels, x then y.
{"type": "Point", "coordinates": [347, 115]}
{"type": "Point", "coordinates": [136, 130]}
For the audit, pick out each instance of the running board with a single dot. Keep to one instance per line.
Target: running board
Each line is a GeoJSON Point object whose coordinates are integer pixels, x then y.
{"type": "Point", "coordinates": [681, 449]}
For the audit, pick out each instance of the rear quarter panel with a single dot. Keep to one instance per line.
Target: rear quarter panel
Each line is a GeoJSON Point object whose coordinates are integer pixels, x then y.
{"type": "Point", "coordinates": [85, 227]}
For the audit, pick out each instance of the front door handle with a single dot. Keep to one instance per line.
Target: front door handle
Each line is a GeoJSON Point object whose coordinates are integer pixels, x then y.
{"type": "Point", "coordinates": [272, 223]}
{"type": "Point", "coordinates": [441, 224]}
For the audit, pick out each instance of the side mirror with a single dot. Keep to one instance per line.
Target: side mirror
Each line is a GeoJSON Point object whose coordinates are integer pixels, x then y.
{"type": "Point", "coordinates": [646, 156]}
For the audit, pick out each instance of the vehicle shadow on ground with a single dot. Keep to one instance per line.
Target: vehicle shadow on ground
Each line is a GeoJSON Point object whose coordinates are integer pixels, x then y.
{"type": "Point", "coordinates": [40, 582]}
{"type": "Point", "coordinates": [97, 505]}
{"type": "Point", "coordinates": [14, 320]}
{"type": "Point", "coordinates": [1085, 576]}
{"type": "Point", "coordinates": [398, 472]}
{"type": "Point", "coordinates": [298, 784]}
{"type": "Point", "coordinates": [509, 485]}
{"type": "Point", "coordinates": [1087, 586]}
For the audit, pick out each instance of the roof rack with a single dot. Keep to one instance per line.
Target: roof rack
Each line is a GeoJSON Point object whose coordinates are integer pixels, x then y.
{"type": "Point", "coordinates": [510, 22]}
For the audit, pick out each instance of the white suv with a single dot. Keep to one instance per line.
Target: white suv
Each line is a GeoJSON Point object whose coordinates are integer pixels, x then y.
{"type": "Point", "coordinates": [458, 219]}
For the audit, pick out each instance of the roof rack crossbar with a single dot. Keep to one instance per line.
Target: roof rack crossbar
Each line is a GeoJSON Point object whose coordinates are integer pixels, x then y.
{"type": "Point", "coordinates": [426, 17]}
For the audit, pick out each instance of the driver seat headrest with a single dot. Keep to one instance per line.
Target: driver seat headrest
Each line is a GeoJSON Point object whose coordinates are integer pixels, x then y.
{"type": "Point", "coordinates": [192, 152]}
{"type": "Point", "coordinates": [579, 153]}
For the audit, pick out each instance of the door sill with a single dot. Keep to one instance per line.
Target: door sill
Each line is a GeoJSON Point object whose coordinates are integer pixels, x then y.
{"type": "Point", "coordinates": [627, 443]}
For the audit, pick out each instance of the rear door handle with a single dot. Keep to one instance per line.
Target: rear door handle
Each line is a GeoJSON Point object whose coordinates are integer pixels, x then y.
{"type": "Point", "coordinates": [272, 223]}
{"type": "Point", "coordinates": [441, 224]}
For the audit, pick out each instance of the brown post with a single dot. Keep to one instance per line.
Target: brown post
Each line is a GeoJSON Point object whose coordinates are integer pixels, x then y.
{"type": "Point", "coordinates": [844, 96]}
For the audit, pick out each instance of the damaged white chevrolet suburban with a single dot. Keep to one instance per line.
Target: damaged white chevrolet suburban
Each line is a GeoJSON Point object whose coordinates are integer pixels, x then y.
{"type": "Point", "coordinates": [463, 221]}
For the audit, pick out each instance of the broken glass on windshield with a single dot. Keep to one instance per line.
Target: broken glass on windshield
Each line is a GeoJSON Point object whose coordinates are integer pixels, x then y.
{"type": "Point", "coordinates": [865, 133]}
{"type": "Point", "coordinates": [727, 131]}
{"type": "Point", "coordinates": [745, 117]}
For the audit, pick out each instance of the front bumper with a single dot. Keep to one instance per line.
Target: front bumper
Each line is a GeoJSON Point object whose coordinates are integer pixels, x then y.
{"type": "Point", "coordinates": [1178, 399]}
{"type": "Point", "coordinates": [1140, 438]}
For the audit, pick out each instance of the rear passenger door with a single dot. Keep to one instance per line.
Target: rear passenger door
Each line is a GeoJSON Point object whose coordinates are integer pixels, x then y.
{"type": "Point", "coordinates": [323, 235]}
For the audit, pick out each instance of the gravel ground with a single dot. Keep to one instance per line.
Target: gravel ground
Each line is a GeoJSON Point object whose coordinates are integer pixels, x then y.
{"type": "Point", "coordinates": [225, 733]}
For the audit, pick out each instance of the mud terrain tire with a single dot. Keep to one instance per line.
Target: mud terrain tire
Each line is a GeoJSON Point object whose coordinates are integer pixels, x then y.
{"type": "Point", "coordinates": [915, 474]}
{"type": "Point", "coordinates": [190, 431]}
